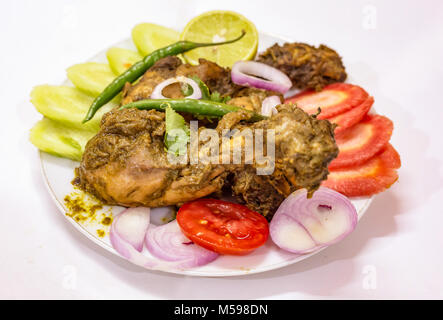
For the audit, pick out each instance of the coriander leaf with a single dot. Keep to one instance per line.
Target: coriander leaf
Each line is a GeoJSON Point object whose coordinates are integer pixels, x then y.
{"type": "Point", "coordinates": [226, 99]}
{"type": "Point", "coordinates": [177, 132]}
{"type": "Point", "coordinates": [215, 96]}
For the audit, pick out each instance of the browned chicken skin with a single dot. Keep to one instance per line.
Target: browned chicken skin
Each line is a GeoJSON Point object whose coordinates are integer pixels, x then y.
{"type": "Point", "coordinates": [126, 162]}
{"type": "Point", "coordinates": [307, 66]}
{"type": "Point", "coordinates": [215, 77]}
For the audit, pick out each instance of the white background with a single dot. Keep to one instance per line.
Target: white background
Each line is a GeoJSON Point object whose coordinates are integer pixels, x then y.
{"type": "Point", "coordinates": [398, 244]}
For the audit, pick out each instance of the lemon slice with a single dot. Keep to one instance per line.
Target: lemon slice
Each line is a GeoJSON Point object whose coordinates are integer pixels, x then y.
{"type": "Point", "coordinates": [148, 37]}
{"type": "Point", "coordinates": [217, 26]}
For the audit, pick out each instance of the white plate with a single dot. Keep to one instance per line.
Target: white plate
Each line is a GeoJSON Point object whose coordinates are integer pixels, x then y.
{"type": "Point", "coordinates": [58, 174]}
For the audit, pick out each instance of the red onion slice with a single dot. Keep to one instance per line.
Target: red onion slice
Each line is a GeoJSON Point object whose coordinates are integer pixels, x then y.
{"type": "Point", "coordinates": [303, 225]}
{"type": "Point", "coordinates": [268, 105]}
{"type": "Point", "coordinates": [129, 252]}
{"type": "Point", "coordinates": [157, 92]}
{"type": "Point", "coordinates": [168, 242]}
{"type": "Point", "coordinates": [128, 233]}
{"type": "Point", "coordinates": [260, 75]}
{"type": "Point", "coordinates": [131, 226]}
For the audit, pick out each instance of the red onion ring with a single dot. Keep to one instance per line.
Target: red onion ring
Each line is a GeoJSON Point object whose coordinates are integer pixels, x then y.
{"type": "Point", "coordinates": [131, 226]}
{"type": "Point", "coordinates": [268, 105]}
{"type": "Point", "coordinates": [246, 73]}
{"type": "Point", "coordinates": [168, 242]}
{"type": "Point", "coordinates": [128, 233]}
{"type": "Point", "coordinates": [303, 225]}
{"type": "Point", "coordinates": [157, 92]}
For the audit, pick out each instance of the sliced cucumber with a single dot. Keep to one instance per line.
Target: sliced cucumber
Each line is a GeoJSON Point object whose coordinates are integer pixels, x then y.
{"type": "Point", "coordinates": [148, 37]}
{"type": "Point", "coordinates": [121, 59]}
{"type": "Point", "coordinates": [91, 77]}
{"type": "Point", "coordinates": [67, 105]}
{"type": "Point", "coordinates": [57, 139]}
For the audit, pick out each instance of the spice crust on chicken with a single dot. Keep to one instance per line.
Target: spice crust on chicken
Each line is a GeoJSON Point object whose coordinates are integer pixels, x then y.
{"type": "Point", "coordinates": [307, 66]}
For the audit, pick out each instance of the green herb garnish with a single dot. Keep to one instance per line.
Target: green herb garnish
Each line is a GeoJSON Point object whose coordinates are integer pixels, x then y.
{"type": "Point", "coordinates": [177, 132]}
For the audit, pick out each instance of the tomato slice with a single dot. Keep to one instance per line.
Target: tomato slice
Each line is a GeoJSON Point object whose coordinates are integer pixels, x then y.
{"type": "Point", "coordinates": [223, 227]}
{"type": "Point", "coordinates": [369, 178]}
{"type": "Point", "coordinates": [334, 99]}
{"type": "Point", "coordinates": [362, 141]}
{"type": "Point", "coordinates": [352, 117]}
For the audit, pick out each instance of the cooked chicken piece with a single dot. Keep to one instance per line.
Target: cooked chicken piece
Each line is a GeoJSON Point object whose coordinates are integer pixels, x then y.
{"type": "Point", "coordinates": [159, 72]}
{"type": "Point", "coordinates": [308, 67]}
{"type": "Point", "coordinates": [251, 98]}
{"type": "Point", "coordinates": [215, 77]}
{"type": "Point", "coordinates": [126, 162]}
{"type": "Point", "coordinates": [257, 193]}
{"type": "Point", "coordinates": [304, 147]}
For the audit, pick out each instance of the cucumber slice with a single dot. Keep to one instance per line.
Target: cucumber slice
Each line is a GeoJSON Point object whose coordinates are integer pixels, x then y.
{"type": "Point", "coordinates": [148, 37]}
{"type": "Point", "coordinates": [91, 77]}
{"type": "Point", "coordinates": [57, 139]}
{"type": "Point", "coordinates": [67, 105]}
{"type": "Point", "coordinates": [121, 59]}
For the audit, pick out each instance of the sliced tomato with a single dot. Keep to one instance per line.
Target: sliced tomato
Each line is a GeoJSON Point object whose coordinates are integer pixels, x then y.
{"type": "Point", "coordinates": [369, 178]}
{"type": "Point", "coordinates": [362, 141]}
{"type": "Point", "coordinates": [223, 227]}
{"type": "Point", "coordinates": [349, 118]}
{"type": "Point", "coordinates": [390, 157]}
{"type": "Point", "coordinates": [334, 99]}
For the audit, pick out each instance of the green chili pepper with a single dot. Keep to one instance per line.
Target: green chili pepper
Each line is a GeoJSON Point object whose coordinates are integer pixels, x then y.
{"type": "Point", "coordinates": [186, 89]}
{"type": "Point", "coordinates": [203, 87]}
{"type": "Point", "coordinates": [139, 68]}
{"type": "Point", "coordinates": [200, 107]}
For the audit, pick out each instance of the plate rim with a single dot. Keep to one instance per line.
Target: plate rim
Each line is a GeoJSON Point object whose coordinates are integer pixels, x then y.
{"type": "Point", "coordinates": [186, 272]}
